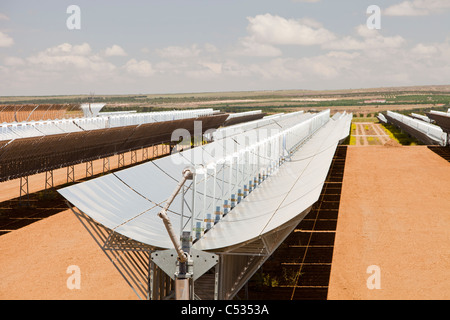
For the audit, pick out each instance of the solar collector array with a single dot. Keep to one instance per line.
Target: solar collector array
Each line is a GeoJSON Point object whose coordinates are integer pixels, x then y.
{"type": "Point", "coordinates": [425, 132]}
{"type": "Point", "coordinates": [26, 156]}
{"type": "Point", "coordinates": [19, 113]}
{"type": "Point", "coordinates": [128, 201]}
{"type": "Point", "coordinates": [273, 121]}
{"type": "Point", "coordinates": [28, 129]}
{"type": "Point", "coordinates": [235, 118]}
{"type": "Point", "coordinates": [442, 119]}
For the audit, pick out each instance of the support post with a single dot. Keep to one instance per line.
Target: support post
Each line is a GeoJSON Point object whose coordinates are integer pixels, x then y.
{"type": "Point", "coordinates": [106, 165]}
{"type": "Point", "coordinates": [182, 257]}
{"type": "Point", "coordinates": [70, 174]}
{"type": "Point", "coordinates": [24, 189]}
{"type": "Point", "coordinates": [133, 156]}
{"type": "Point", "coordinates": [48, 179]}
{"type": "Point", "coordinates": [121, 160]}
{"type": "Point", "coordinates": [144, 154]}
{"type": "Point", "coordinates": [89, 169]}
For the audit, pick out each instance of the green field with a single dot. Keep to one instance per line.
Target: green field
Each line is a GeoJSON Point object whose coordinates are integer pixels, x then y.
{"type": "Point", "coordinates": [358, 101]}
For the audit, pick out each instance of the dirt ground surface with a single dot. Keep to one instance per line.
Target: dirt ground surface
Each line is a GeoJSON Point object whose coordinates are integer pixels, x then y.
{"type": "Point", "coordinates": [35, 260]}
{"type": "Point", "coordinates": [370, 134]}
{"type": "Point", "coordinates": [393, 225]}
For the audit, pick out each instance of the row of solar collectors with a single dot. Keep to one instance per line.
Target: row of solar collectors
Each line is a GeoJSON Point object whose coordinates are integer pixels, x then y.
{"type": "Point", "coordinates": [274, 121]}
{"type": "Point", "coordinates": [241, 114]}
{"type": "Point", "coordinates": [442, 119]}
{"type": "Point", "coordinates": [140, 190]}
{"type": "Point", "coordinates": [421, 117]}
{"type": "Point", "coordinates": [29, 129]}
{"type": "Point", "coordinates": [27, 156]}
{"type": "Point", "coordinates": [20, 113]}
{"type": "Point", "coordinates": [240, 117]}
{"type": "Point", "coordinates": [423, 131]}
{"type": "Point", "coordinates": [143, 187]}
{"type": "Point", "coordinates": [436, 117]}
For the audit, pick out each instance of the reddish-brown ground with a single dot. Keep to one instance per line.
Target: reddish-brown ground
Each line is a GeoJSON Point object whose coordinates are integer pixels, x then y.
{"type": "Point", "coordinates": [34, 262]}
{"type": "Point", "coordinates": [395, 214]}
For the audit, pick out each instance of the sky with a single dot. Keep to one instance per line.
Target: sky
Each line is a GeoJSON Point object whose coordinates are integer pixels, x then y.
{"type": "Point", "coordinates": [183, 46]}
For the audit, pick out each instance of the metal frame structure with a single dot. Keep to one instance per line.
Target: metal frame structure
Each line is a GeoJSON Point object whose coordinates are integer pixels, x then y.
{"type": "Point", "coordinates": [131, 259]}
{"type": "Point", "coordinates": [28, 156]}
{"type": "Point", "coordinates": [293, 161]}
{"type": "Point", "coordinates": [49, 180]}
{"type": "Point", "coordinates": [24, 190]}
{"type": "Point", "coordinates": [70, 174]}
{"type": "Point", "coordinates": [30, 129]}
{"type": "Point", "coordinates": [89, 168]}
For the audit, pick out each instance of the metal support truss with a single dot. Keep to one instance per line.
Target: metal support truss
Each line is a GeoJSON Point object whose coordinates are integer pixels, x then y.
{"type": "Point", "coordinates": [144, 154]}
{"type": "Point", "coordinates": [89, 169]}
{"type": "Point", "coordinates": [70, 174]}
{"type": "Point", "coordinates": [24, 191]}
{"type": "Point", "coordinates": [132, 259]}
{"type": "Point", "coordinates": [121, 160]}
{"type": "Point", "coordinates": [49, 180]}
{"type": "Point", "coordinates": [133, 156]}
{"type": "Point", "coordinates": [106, 165]}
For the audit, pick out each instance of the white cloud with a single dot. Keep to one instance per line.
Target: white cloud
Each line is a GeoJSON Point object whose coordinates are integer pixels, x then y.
{"type": "Point", "coordinates": [417, 8]}
{"type": "Point", "coordinates": [213, 66]}
{"type": "Point", "coordinates": [171, 68]}
{"type": "Point", "coordinates": [177, 52]}
{"type": "Point", "coordinates": [332, 65]}
{"type": "Point", "coordinates": [276, 30]}
{"type": "Point", "coordinates": [422, 50]}
{"type": "Point", "coordinates": [141, 68]}
{"type": "Point", "coordinates": [70, 58]}
{"type": "Point", "coordinates": [5, 40]}
{"type": "Point", "coordinates": [201, 72]}
{"type": "Point", "coordinates": [361, 58]}
{"type": "Point", "coordinates": [3, 17]}
{"type": "Point", "coordinates": [367, 40]}
{"type": "Point", "coordinates": [68, 49]}
{"type": "Point", "coordinates": [13, 61]}
{"type": "Point", "coordinates": [115, 51]}
{"type": "Point", "coordinates": [248, 46]}
{"type": "Point", "coordinates": [60, 69]}
{"type": "Point", "coordinates": [194, 61]}
{"type": "Point", "coordinates": [210, 48]}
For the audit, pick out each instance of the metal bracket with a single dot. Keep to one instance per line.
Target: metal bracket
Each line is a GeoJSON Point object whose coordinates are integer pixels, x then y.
{"type": "Point", "coordinates": [199, 262]}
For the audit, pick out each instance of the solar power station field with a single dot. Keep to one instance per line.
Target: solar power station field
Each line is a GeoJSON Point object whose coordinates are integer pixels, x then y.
{"type": "Point", "coordinates": [199, 220]}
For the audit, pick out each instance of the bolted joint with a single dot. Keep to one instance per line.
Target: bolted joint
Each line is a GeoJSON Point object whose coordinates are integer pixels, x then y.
{"type": "Point", "coordinates": [182, 258]}
{"type": "Point", "coordinates": [188, 173]}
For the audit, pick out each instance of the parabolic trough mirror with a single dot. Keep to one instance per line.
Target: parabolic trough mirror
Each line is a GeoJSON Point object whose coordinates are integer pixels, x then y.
{"type": "Point", "coordinates": [248, 188]}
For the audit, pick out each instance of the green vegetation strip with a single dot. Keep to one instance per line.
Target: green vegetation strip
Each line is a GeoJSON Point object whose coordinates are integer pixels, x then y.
{"type": "Point", "coordinates": [400, 136]}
